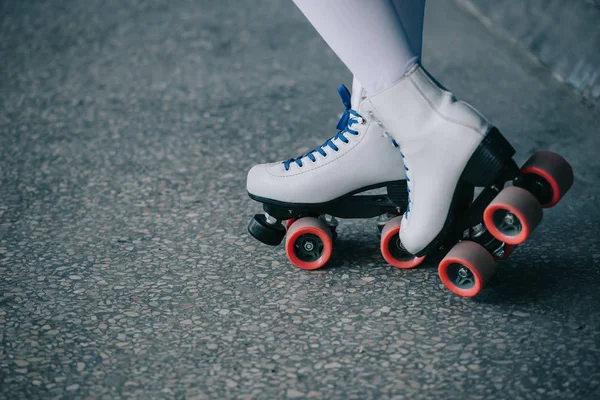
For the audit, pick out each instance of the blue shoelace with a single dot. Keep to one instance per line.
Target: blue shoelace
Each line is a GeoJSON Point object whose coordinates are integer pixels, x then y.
{"type": "Point", "coordinates": [343, 125]}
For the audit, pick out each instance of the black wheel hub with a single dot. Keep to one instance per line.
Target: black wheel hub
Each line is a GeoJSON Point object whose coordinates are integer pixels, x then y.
{"type": "Point", "coordinates": [461, 276]}
{"type": "Point", "coordinates": [507, 223]}
{"type": "Point", "coordinates": [308, 247]}
{"type": "Point", "coordinates": [536, 185]}
{"type": "Point", "coordinates": [397, 250]}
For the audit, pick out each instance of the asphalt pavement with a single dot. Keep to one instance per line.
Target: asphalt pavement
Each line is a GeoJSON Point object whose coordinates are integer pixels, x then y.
{"type": "Point", "coordinates": [126, 271]}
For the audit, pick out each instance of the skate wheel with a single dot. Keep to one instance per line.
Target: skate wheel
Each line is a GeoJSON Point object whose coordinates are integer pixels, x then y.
{"type": "Point", "coordinates": [466, 269]}
{"type": "Point", "coordinates": [289, 223]}
{"type": "Point", "coordinates": [333, 229]}
{"type": "Point", "coordinates": [392, 249]}
{"type": "Point", "coordinates": [507, 251]}
{"type": "Point", "coordinates": [261, 230]}
{"type": "Point", "coordinates": [512, 215]}
{"type": "Point", "coordinates": [556, 174]}
{"type": "Point", "coordinates": [308, 243]}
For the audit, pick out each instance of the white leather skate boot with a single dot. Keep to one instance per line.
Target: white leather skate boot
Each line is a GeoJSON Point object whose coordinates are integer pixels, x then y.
{"type": "Point", "coordinates": [359, 157]}
{"type": "Point", "coordinates": [446, 145]}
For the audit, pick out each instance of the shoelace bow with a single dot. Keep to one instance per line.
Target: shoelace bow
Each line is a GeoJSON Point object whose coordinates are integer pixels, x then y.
{"type": "Point", "coordinates": [343, 125]}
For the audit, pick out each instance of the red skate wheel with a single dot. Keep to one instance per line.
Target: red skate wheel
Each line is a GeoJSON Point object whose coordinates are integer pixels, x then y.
{"type": "Point", "coordinates": [392, 249]}
{"type": "Point", "coordinates": [506, 252]}
{"type": "Point", "coordinates": [553, 169]}
{"type": "Point", "coordinates": [512, 215]}
{"type": "Point", "coordinates": [466, 269]}
{"type": "Point", "coordinates": [308, 243]}
{"type": "Point", "coordinates": [289, 223]}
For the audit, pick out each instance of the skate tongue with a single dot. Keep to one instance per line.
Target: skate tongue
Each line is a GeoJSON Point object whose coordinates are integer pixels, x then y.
{"type": "Point", "coordinates": [357, 94]}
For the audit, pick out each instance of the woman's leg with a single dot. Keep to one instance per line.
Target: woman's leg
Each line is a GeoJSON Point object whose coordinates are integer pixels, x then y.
{"type": "Point", "coordinates": [368, 36]}
{"type": "Point", "coordinates": [411, 14]}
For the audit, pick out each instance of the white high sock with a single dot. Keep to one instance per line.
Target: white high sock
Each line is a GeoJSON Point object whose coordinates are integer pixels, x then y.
{"type": "Point", "coordinates": [412, 15]}
{"type": "Point", "coordinates": [368, 36]}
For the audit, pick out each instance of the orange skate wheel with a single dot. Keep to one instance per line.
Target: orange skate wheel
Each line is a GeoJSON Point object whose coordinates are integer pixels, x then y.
{"type": "Point", "coordinates": [392, 249]}
{"type": "Point", "coordinates": [513, 215]}
{"type": "Point", "coordinates": [554, 169]}
{"type": "Point", "coordinates": [466, 269]}
{"type": "Point", "coordinates": [308, 243]}
{"type": "Point", "coordinates": [289, 223]}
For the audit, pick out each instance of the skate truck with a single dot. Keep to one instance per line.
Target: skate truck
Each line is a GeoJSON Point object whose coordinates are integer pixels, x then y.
{"type": "Point", "coordinates": [480, 229]}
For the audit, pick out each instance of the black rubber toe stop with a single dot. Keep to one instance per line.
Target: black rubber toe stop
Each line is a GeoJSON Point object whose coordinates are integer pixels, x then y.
{"type": "Point", "coordinates": [261, 230]}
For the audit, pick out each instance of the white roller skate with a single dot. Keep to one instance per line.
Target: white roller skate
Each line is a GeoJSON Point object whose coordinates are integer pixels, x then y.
{"type": "Point", "coordinates": [449, 148]}
{"type": "Point", "coordinates": [309, 191]}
